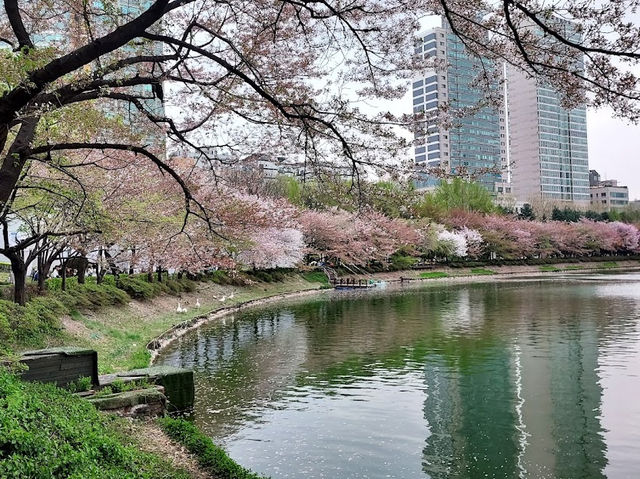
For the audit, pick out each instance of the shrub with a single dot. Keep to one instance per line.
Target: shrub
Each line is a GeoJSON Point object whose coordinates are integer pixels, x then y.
{"type": "Point", "coordinates": [219, 277]}
{"type": "Point", "coordinates": [105, 391]}
{"type": "Point", "coordinates": [188, 285]}
{"type": "Point", "coordinates": [118, 386]}
{"type": "Point", "coordinates": [210, 456]}
{"type": "Point", "coordinates": [263, 276]}
{"type": "Point", "coordinates": [80, 385]}
{"type": "Point", "coordinates": [136, 288]}
{"type": "Point", "coordinates": [29, 324]}
{"type": "Point", "coordinates": [400, 262]}
{"type": "Point", "coordinates": [91, 295]}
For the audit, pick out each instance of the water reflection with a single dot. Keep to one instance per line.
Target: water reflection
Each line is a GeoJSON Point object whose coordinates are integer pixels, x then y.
{"type": "Point", "coordinates": [490, 380]}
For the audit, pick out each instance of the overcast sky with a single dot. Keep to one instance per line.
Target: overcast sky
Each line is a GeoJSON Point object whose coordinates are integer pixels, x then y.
{"type": "Point", "coordinates": [614, 150]}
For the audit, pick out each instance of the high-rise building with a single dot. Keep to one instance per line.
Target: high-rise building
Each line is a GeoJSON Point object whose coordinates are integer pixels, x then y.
{"type": "Point", "coordinates": [548, 142]}
{"type": "Point", "coordinates": [473, 139]}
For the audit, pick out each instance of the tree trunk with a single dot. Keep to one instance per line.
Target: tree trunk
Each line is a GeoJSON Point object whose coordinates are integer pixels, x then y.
{"type": "Point", "coordinates": [82, 271]}
{"type": "Point", "coordinates": [19, 270]}
{"type": "Point", "coordinates": [63, 285]}
{"type": "Point", "coordinates": [16, 157]}
{"type": "Point", "coordinates": [41, 274]}
{"type": "Point", "coordinates": [133, 254]}
{"type": "Point", "coordinates": [99, 270]}
{"type": "Point", "coordinates": [159, 274]}
{"type": "Point", "coordinates": [150, 275]}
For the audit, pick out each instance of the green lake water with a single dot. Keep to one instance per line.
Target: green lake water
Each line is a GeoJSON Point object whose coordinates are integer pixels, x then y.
{"type": "Point", "coordinates": [535, 378]}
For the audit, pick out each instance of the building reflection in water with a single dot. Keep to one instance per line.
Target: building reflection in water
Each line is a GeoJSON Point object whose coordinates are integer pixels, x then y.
{"type": "Point", "coordinates": [527, 406]}
{"type": "Point", "coordinates": [512, 371]}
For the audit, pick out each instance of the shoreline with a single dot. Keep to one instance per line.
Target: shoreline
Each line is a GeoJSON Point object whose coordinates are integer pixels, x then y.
{"type": "Point", "coordinates": [403, 277]}
{"type": "Point", "coordinates": [156, 345]}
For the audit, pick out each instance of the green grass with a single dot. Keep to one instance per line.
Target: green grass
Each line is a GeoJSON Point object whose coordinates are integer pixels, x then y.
{"type": "Point", "coordinates": [47, 432]}
{"type": "Point", "coordinates": [549, 268]}
{"type": "Point", "coordinates": [434, 274]}
{"type": "Point", "coordinates": [482, 271]}
{"type": "Point", "coordinates": [316, 277]}
{"type": "Point", "coordinates": [210, 457]}
{"type": "Point", "coordinates": [608, 265]}
{"type": "Point", "coordinates": [106, 322]}
{"type": "Point", "coordinates": [120, 333]}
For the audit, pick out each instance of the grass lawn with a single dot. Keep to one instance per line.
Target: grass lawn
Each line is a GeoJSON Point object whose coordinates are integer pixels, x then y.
{"type": "Point", "coordinates": [608, 265]}
{"type": "Point", "coordinates": [434, 274]}
{"type": "Point", "coordinates": [482, 271]}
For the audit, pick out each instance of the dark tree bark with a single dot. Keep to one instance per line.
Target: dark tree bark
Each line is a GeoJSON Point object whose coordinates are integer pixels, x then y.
{"type": "Point", "coordinates": [42, 274]}
{"type": "Point", "coordinates": [27, 91]}
{"type": "Point", "coordinates": [16, 158]}
{"type": "Point", "coordinates": [82, 271]}
{"type": "Point", "coordinates": [19, 270]}
{"type": "Point", "coordinates": [63, 286]}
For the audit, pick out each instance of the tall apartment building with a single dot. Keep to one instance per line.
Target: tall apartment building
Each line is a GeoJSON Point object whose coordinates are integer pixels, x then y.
{"type": "Point", "coordinates": [475, 142]}
{"type": "Point", "coordinates": [548, 142]}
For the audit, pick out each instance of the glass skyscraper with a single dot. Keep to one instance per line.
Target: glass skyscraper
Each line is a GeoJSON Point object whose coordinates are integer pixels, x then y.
{"type": "Point", "coordinates": [468, 140]}
{"type": "Point", "coordinates": [548, 142]}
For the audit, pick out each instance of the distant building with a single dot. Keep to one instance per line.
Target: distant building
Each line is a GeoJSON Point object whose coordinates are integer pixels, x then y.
{"type": "Point", "coordinates": [608, 195]}
{"type": "Point", "coordinates": [594, 178]}
{"type": "Point", "coordinates": [475, 143]}
{"type": "Point", "coordinates": [268, 167]}
{"type": "Point", "coordinates": [273, 166]}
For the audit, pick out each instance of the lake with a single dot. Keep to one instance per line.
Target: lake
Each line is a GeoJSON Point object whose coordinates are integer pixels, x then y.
{"type": "Point", "coordinates": [535, 378]}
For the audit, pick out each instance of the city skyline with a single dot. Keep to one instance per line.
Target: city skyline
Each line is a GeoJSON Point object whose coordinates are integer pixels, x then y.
{"type": "Point", "coordinates": [611, 140]}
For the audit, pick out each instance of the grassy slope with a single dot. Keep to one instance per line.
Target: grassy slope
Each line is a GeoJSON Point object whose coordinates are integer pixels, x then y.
{"type": "Point", "coordinates": [211, 458]}
{"type": "Point", "coordinates": [47, 432]}
{"type": "Point", "coordinates": [120, 332]}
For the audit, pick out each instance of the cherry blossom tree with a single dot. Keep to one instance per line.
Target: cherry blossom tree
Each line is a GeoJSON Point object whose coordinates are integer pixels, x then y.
{"type": "Point", "coordinates": [451, 244]}
{"type": "Point", "coordinates": [258, 74]}
{"type": "Point", "coordinates": [274, 248]}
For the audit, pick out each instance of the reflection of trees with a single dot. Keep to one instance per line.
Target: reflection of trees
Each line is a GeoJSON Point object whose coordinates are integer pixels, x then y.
{"type": "Point", "coordinates": [501, 361]}
{"type": "Point", "coordinates": [240, 366]}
